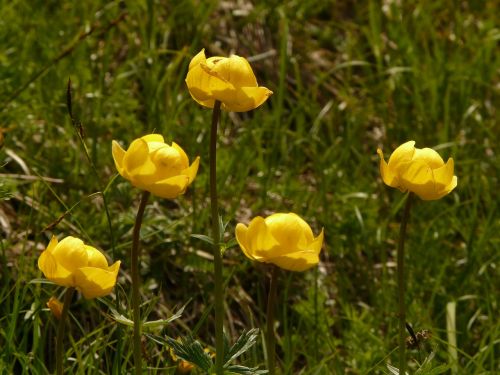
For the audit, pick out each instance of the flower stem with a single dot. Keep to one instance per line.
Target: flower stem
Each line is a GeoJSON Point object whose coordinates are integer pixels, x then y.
{"type": "Point", "coordinates": [60, 330]}
{"type": "Point", "coordinates": [219, 292]}
{"type": "Point", "coordinates": [134, 265]}
{"type": "Point", "coordinates": [401, 284]}
{"type": "Point", "coordinates": [270, 337]}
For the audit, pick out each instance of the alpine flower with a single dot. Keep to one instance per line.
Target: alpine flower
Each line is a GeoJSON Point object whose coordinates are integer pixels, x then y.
{"type": "Point", "coordinates": [283, 239]}
{"type": "Point", "coordinates": [72, 263]}
{"type": "Point", "coordinates": [154, 166]}
{"type": "Point", "coordinates": [229, 80]}
{"type": "Point", "coordinates": [418, 170]}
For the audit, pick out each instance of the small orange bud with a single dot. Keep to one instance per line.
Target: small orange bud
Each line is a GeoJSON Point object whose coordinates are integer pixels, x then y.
{"type": "Point", "coordinates": [184, 367]}
{"type": "Point", "coordinates": [55, 307]}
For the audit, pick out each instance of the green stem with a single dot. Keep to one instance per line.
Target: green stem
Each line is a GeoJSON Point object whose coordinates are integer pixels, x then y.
{"type": "Point", "coordinates": [401, 285]}
{"type": "Point", "coordinates": [60, 330]}
{"type": "Point", "coordinates": [134, 265]}
{"type": "Point", "coordinates": [219, 292]}
{"type": "Point", "coordinates": [270, 337]}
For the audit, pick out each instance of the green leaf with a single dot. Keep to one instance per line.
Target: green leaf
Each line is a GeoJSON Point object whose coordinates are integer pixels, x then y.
{"type": "Point", "coordinates": [244, 342]}
{"type": "Point", "coordinates": [191, 351]}
{"type": "Point", "coordinates": [152, 324]}
{"type": "Point", "coordinates": [204, 238]}
{"type": "Point", "coordinates": [122, 319]}
{"type": "Point", "coordinates": [235, 369]}
{"type": "Point", "coordinates": [156, 323]}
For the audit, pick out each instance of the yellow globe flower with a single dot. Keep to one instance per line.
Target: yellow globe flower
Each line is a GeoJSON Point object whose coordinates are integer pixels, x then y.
{"type": "Point", "coordinates": [421, 171]}
{"type": "Point", "coordinates": [285, 240]}
{"type": "Point", "coordinates": [154, 166]}
{"type": "Point", "coordinates": [71, 263]}
{"type": "Point", "coordinates": [229, 80]}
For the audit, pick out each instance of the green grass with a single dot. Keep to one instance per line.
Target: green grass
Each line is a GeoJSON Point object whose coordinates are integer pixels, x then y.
{"type": "Point", "coordinates": [347, 77]}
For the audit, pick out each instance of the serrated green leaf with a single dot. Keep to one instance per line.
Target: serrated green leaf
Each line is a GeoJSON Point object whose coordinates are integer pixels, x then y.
{"type": "Point", "coordinates": [244, 342]}
{"type": "Point", "coordinates": [191, 351]}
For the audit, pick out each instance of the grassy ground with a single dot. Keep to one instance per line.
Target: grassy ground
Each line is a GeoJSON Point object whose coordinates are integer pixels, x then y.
{"type": "Point", "coordinates": [348, 77]}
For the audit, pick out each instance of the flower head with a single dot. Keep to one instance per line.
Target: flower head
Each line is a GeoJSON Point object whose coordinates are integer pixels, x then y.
{"type": "Point", "coordinates": [152, 165]}
{"type": "Point", "coordinates": [285, 240]}
{"type": "Point", "coordinates": [419, 170]}
{"type": "Point", "coordinates": [229, 80]}
{"type": "Point", "coordinates": [71, 263]}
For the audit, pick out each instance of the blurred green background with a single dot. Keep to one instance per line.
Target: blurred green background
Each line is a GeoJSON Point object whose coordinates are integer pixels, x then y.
{"type": "Point", "coordinates": [348, 77]}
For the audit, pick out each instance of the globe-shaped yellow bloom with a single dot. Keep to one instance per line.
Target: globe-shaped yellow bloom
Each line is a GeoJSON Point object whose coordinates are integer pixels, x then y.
{"type": "Point", "coordinates": [71, 263]}
{"type": "Point", "coordinates": [229, 80]}
{"type": "Point", "coordinates": [421, 171]}
{"type": "Point", "coordinates": [285, 240]}
{"type": "Point", "coordinates": [154, 166]}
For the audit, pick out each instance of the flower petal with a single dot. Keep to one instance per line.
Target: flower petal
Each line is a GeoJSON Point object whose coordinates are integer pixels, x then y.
{"type": "Point", "coordinates": [299, 261]}
{"type": "Point", "coordinates": [445, 180]}
{"type": "Point", "coordinates": [317, 244]}
{"type": "Point", "coordinates": [289, 230]}
{"type": "Point", "coordinates": [118, 155]}
{"type": "Point", "coordinates": [431, 157]}
{"type": "Point", "coordinates": [96, 282]}
{"type": "Point", "coordinates": [52, 244]}
{"type": "Point", "coordinates": [451, 186]}
{"type": "Point", "coordinates": [444, 174]}
{"type": "Point", "coordinates": [70, 254]}
{"type": "Point", "coordinates": [138, 164]}
{"type": "Point", "coordinates": [401, 156]}
{"type": "Point", "coordinates": [388, 176]}
{"type": "Point", "coordinates": [241, 232]}
{"type": "Point", "coordinates": [260, 239]}
{"type": "Point", "coordinates": [95, 257]}
{"type": "Point", "coordinates": [169, 188]}
{"type": "Point", "coordinates": [418, 178]}
{"type": "Point", "coordinates": [54, 272]}
{"type": "Point", "coordinates": [199, 58]}
{"type": "Point", "coordinates": [184, 161]}
{"type": "Point", "coordinates": [234, 69]}
{"type": "Point", "coordinates": [242, 99]}
{"type": "Point", "coordinates": [153, 138]}
{"type": "Point", "coordinates": [201, 85]}
{"type": "Point", "coordinates": [192, 170]}
{"type": "Point", "coordinates": [136, 156]}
